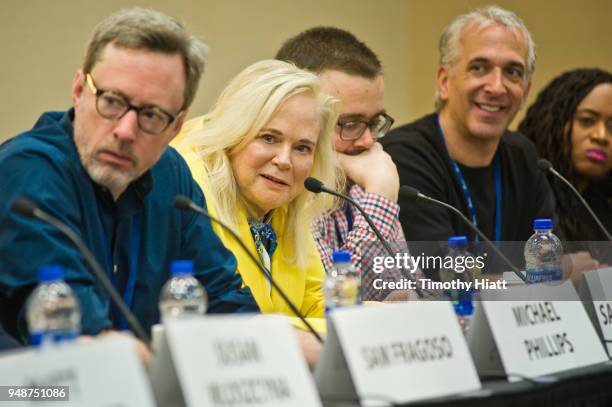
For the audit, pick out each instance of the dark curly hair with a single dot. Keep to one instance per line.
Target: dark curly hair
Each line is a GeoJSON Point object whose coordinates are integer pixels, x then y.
{"type": "Point", "coordinates": [548, 123]}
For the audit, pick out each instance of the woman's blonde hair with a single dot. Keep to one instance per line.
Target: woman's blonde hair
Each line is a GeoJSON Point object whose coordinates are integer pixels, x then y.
{"type": "Point", "coordinates": [245, 106]}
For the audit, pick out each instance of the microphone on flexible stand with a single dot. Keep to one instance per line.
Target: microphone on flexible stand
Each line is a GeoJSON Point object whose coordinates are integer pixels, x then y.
{"type": "Point", "coordinates": [546, 166]}
{"type": "Point", "coordinates": [28, 208]}
{"type": "Point", "coordinates": [183, 203]}
{"type": "Point", "coordinates": [413, 194]}
{"type": "Point", "coordinates": [316, 186]}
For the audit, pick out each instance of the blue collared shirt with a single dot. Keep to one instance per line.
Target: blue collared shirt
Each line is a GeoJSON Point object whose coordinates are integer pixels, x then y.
{"type": "Point", "coordinates": [43, 165]}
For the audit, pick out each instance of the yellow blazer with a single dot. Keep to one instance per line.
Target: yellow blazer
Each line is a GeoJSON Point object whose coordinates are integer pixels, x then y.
{"type": "Point", "coordinates": [303, 286]}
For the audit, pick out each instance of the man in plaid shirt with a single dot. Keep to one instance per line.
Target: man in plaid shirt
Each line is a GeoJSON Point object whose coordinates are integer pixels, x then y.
{"type": "Point", "coordinates": [350, 71]}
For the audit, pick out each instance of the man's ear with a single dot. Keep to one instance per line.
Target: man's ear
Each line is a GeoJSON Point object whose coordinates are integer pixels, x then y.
{"type": "Point", "coordinates": [177, 125]}
{"type": "Point", "coordinates": [78, 85]}
{"type": "Point", "coordinates": [527, 89]}
{"type": "Point", "coordinates": [442, 76]}
{"type": "Point", "coordinates": [180, 119]}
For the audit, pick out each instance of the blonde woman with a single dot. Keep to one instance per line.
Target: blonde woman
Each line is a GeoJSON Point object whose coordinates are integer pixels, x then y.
{"type": "Point", "coordinates": [268, 132]}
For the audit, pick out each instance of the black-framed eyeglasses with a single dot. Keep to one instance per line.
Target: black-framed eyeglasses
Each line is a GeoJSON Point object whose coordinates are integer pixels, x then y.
{"type": "Point", "coordinates": [113, 106]}
{"type": "Point", "coordinates": [351, 129]}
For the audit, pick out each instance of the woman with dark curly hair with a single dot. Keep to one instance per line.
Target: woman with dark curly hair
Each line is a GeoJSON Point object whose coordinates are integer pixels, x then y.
{"type": "Point", "coordinates": [571, 125]}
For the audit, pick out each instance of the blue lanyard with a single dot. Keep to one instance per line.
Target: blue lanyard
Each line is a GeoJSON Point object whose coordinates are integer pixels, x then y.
{"type": "Point", "coordinates": [468, 195]}
{"type": "Point", "coordinates": [128, 295]}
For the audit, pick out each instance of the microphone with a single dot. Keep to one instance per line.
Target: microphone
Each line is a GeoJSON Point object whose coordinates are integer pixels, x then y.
{"type": "Point", "coordinates": [185, 204]}
{"type": "Point", "coordinates": [546, 166]}
{"type": "Point", "coordinates": [413, 194]}
{"type": "Point", "coordinates": [29, 209]}
{"type": "Point", "coordinates": [316, 186]}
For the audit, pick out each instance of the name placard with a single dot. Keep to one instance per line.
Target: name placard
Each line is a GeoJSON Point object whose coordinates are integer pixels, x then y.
{"type": "Point", "coordinates": [543, 330]}
{"type": "Point", "coordinates": [239, 361]}
{"type": "Point", "coordinates": [105, 372]}
{"type": "Point", "coordinates": [596, 292]}
{"type": "Point", "coordinates": [512, 279]}
{"type": "Point", "coordinates": [400, 353]}
{"type": "Point", "coordinates": [603, 310]}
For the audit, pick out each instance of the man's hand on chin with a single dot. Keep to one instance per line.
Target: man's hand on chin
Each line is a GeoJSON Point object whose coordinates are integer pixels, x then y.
{"type": "Point", "coordinates": [373, 170]}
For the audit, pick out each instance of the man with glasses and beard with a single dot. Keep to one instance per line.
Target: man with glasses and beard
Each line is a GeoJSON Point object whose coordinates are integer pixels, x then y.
{"type": "Point", "coordinates": [350, 71]}
{"type": "Point", "coordinates": [104, 169]}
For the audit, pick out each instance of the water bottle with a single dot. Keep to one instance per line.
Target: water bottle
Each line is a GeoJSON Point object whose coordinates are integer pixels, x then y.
{"type": "Point", "coordinates": [543, 252]}
{"type": "Point", "coordinates": [342, 283]}
{"type": "Point", "coordinates": [461, 297]}
{"type": "Point", "coordinates": [53, 311]}
{"type": "Point", "coordinates": [182, 296]}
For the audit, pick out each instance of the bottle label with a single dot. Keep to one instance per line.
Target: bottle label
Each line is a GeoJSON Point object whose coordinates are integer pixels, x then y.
{"type": "Point", "coordinates": [462, 301]}
{"type": "Point", "coordinates": [50, 338]}
{"type": "Point", "coordinates": [341, 290]}
{"type": "Point", "coordinates": [543, 275]}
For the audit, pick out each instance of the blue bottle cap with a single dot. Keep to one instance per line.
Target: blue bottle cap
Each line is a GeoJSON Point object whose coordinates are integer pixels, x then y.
{"type": "Point", "coordinates": [457, 242]}
{"type": "Point", "coordinates": [50, 273]}
{"type": "Point", "coordinates": [542, 224]}
{"type": "Point", "coordinates": [341, 257]}
{"type": "Point", "coordinates": [181, 267]}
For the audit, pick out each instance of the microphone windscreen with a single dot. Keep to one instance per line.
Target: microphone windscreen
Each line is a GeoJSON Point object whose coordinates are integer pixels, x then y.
{"type": "Point", "coordinates": [313, 185]}
{"type": "Point", "coordinates": [24, 206]}
{"type": "Point", "coordinates": [182, 202]}
{"type": "Point", "coordinates": [409, 193]}
{"type": "Point", "coordinates": [544, 164]}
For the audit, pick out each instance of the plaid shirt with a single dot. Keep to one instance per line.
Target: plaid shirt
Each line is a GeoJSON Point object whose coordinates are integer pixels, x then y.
{"type": "Point", "coordinates": [332, 232]}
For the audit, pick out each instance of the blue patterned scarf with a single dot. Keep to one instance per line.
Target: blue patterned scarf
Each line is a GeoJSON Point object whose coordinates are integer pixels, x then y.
{"type": "Point", "coordinates": [264, 236]}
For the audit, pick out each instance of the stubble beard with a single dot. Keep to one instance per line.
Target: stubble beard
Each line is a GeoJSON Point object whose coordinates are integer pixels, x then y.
{"type": "Point", "coordinates": [107, 175]}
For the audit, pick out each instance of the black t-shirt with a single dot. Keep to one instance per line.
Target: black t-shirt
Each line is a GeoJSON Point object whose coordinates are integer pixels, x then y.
{"type": "Point", "coordinates": [481, 183]}
{"type": "Point", "coordinates": [422, 161]}
{"type": "Point", "coordinates": [599, 197]}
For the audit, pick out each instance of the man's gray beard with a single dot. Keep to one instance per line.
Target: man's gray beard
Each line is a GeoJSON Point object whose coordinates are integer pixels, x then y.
{"type": "Point", "coordinates": [105, 175]}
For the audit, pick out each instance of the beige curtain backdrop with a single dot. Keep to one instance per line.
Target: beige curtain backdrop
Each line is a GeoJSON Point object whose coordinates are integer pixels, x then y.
{"type": "Point", "coordinates": [43, 43]}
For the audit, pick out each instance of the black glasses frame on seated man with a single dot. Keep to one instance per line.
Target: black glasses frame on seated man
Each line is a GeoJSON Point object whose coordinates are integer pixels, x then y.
{"type": "Point", "coordinates": [112, 105]}
{"type": "Point", "coordinates": [351, 129]}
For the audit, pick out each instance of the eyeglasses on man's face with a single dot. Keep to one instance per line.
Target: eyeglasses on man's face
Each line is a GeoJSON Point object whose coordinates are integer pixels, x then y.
{"type": "Point", "coordinates": [113, 106]}
{"type": "Point", "coordinates": [352, 129]}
